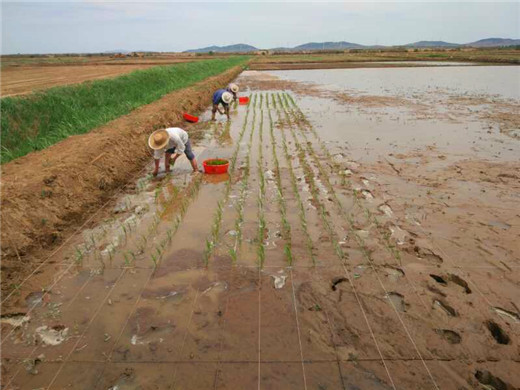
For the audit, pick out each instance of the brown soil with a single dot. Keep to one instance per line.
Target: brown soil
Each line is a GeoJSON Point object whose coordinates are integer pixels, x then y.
{"type": "Point", "coordinates": [412, 287]}
{"type": "Point", "coordinates": [21, 80]}
{"type": "Point", "coordinates": [46, 193]}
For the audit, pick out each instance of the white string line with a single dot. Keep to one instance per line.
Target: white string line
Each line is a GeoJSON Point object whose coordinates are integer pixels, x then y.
{"type": "Point", "coordinates": [292, 284]}
{"type": "Point", "coordinates": [298, 328]}
{"type": "Point", "coordinates": [87, 328]}
{"type": "Point", "coordinates": [336, 353]}
{"type": "Point", "coordinates": [259, 322]}
{"type": "Point", "coordinates": [36, 347]}
{"type": "Point", "coordinates": [219, 362]}
{"type": "Point", "coordinates": [118, 191]}
{"type": "Point", "coordinates": [185, 335]}
{"type": "Point", "coordinates": [366, 319]}
{"type": "Point", "coordinates": [358, 240]}
{"type": "Point", "coordinates": [116, 342]}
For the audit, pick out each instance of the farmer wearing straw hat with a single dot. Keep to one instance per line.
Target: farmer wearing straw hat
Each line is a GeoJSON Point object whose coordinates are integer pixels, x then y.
{"type": "Point", "coordinates": [171, 141]}
{"type": "Point", "coordinates": [221, 96]}
{"type": "Point", "coordinates": [233, 88]}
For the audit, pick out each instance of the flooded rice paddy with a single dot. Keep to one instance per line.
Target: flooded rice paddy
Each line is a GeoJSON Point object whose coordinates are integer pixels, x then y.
{"type": "Point", "coordinates": [365, 237]}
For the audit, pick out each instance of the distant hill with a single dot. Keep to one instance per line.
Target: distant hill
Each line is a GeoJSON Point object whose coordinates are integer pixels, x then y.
{"type": "Point", "coordinates": [432, 44]}
{"type": "Point", "coordinates": [494, 42]}
{"type": "Point", "coordinates": [328, 46]}
{"type": "Point", "coordinates": [238, 48]}
{"type": "Point", "coordinates": [342, 45]}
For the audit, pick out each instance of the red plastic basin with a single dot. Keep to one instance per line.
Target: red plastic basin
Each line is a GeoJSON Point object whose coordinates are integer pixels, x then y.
{"type": "Point", "coordinates": [243, 100]}
{"type": "Point", "coordinates": [212, 169]}
{"type": "Point", "coordinates": [191, 118]}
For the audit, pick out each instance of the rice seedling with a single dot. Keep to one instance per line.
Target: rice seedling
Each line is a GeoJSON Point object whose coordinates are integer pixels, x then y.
{"type": "Point", "coordinates": [78, 256]}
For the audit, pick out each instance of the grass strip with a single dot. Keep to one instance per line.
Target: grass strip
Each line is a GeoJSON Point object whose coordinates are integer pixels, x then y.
{"type": "Point", "coordinates": [37, 121]}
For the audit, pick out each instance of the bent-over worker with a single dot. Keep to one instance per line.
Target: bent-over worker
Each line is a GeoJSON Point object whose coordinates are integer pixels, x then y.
{"type": "Point", "coordinates": [172, 141]}
{"type": "Point", "coordinates": [222, 97]}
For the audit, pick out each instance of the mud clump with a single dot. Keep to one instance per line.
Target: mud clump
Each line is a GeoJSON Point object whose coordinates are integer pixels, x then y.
{"type": "Point", "coordinates": [497, 332]}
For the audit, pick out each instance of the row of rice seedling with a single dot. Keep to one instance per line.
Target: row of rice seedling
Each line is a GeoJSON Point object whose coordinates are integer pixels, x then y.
{"type": "Point", "coordinates": [239, 220]}
{"type": "Point", "coordinates": [384, 235]}
{"type": "Point", "coordinates": [212, 241]}
{"type": "Point", "coordinates": [294, 185]}
{"type": "Point", "coordinates": [125, 229]}
{"type": "Point", "coordinates": [309, 177]}
{"type": "Point", "coordinates": [282, 207]}
{"type": "Point", "coordinates": [262, 227]}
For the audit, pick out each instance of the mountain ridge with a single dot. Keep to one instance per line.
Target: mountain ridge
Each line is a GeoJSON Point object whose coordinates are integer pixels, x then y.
{"type": "Point", "coordinates": [343, 45]}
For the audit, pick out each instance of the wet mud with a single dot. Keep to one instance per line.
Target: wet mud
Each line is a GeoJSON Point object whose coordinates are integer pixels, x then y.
{"type": "Point", "coordinates": [320, 261]}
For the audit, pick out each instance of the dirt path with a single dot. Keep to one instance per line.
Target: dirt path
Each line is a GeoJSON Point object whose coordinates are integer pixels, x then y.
{"type": "Point", "coordinates": [289, 273]}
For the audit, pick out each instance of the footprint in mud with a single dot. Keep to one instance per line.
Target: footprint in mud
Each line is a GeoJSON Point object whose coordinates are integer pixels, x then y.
{"type": "Point", "coordinates": [507, 314]}
{"type": "Point", "coordinates": [439, 279]}
{"type": "Point", "coordinates": [497, 332]}
{"type": "Point", "coordinates": [394, 274]}
{"type": "Point", "coordinates": [397, 300]}
{"type": "Point", "coordinates": [427, 254]}
{"type": "Point", "coordinates": [450, 336]}
{"type": "Point", "coordinates": [491, 382]}
{"type": "Point", "coordinates": [453, 279]}
{"type": "Point", "coordinates": [450, 311]}
{"type": "Point", "coordinates": [461, 282]}
{"type": "Point", "coordinates": [337, 280]}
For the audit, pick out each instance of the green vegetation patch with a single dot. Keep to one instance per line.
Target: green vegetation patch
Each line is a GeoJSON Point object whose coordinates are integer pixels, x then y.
{"type": "Point", "coordinates": [217, 162]}
{"type": "Point", "coordinates": [37, 121]}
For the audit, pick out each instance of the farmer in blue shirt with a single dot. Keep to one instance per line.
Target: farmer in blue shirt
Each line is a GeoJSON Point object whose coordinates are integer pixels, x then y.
{"type": "Point", "coordinates": [221, 96]}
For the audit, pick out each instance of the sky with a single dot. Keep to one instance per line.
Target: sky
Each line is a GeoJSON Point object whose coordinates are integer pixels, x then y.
{"type": "Point", "coordinates": [98, 26]}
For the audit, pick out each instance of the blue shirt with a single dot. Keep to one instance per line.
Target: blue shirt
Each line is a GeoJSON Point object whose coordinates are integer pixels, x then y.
{"type": "Point", "coordinates": [217, 96]}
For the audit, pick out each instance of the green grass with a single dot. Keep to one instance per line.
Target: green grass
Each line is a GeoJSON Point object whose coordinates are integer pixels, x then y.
{"type": "Point", "coordinates": [37, 121]}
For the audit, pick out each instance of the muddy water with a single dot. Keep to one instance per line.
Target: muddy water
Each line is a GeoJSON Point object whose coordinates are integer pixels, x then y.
{"type": "Point", "coordinates": [309, 266]}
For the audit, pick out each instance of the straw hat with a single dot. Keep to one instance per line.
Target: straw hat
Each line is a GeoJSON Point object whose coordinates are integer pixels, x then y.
{"type": "Point", "coordinates": [158, 139]}
{"type": "Point", "coordinates": [227, 97]}
{"type": "Point", "coordinates": [233, 87]}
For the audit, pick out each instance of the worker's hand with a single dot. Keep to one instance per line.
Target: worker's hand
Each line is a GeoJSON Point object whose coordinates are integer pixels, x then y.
{"type": "Point", "coordinates": [155, 172]}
